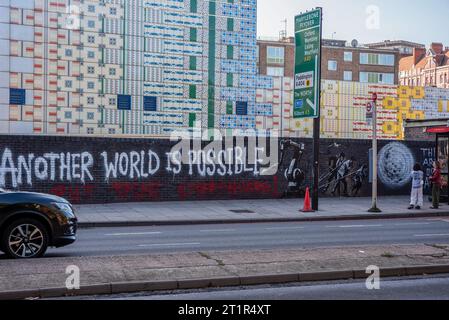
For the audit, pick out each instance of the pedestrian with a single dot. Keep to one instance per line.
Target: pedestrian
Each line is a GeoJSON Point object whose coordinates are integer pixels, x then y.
{"type": "Point", "coordinates": [417, 196]}
{"type": "Point", "coordinates": [436, 185]}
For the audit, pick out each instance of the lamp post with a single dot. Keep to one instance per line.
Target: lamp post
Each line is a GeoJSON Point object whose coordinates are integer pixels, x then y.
{"type": "Point", "coordinates": [374, 207]}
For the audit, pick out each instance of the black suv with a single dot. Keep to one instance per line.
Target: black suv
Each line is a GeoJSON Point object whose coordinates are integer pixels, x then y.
{"type": "Point", "coordinates": [32, 222]}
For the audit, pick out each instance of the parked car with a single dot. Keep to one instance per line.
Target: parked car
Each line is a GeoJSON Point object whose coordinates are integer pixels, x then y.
{"type": "Point", "coordinates": [32, 222]}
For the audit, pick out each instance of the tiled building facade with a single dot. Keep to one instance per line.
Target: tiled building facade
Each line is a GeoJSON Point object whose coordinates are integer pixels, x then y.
{"type": "Point", "coordinates": [116, 67]}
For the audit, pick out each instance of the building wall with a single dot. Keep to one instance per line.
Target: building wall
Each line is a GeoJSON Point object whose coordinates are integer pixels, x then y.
{"type": "Point", "coordinates": [289, 63]}
{"type": "Point", "coordinates": [102, 170]}
{"type": "Point", "coordinates": [337, 54]}
{"type": "Point", "coordinates": [126, 67]}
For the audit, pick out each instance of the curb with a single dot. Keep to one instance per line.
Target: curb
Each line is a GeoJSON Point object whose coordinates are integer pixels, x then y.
{"type": "Point", "coordinates": [145, 286]}
{"type": "Point", "coordinates": [111, 224]}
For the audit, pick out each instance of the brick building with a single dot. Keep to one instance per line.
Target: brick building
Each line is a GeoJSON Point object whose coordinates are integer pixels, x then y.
{"type": "Point", "coordinates": [276, 57]}
{"type": "Point", "coordinates": [359, 64]}
{"type": "Point", "coordinates": [426, 67]}
{"type": "Point", "coordinates": [339, 61]}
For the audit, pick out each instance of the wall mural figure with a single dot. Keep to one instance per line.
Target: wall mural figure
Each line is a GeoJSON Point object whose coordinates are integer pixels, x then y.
{"type": "Point", "coordinates": [343, 172]}
{"type": "Point", "coordinates": [396, 162]}
{"type": "Point", "coordinates": [293, 173]}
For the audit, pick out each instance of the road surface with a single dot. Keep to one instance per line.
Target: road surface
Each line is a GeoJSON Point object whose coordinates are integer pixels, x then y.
{"type": "Point", "coordinates": [168, 239]}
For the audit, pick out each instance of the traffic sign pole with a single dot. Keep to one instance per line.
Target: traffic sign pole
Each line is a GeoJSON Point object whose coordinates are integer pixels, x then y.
{"type": "Point", "coordinates": [374, 207]}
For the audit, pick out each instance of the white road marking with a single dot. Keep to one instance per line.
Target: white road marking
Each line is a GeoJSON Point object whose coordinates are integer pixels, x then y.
{"type": "Point", "coordinates": [222, 230]}
{"type": "Point", "coordinates": [413, 224]}
{"type": "Point", "coordinates": [131, 234]}
{"type": "Point", "coordinates": [285, 228]}
{"type": "Point", "coordinates": [170, 244]}
{"type": "Point", "coordinates": [431, 235]}
{"type": "Point", "coordinates": [357, 226]}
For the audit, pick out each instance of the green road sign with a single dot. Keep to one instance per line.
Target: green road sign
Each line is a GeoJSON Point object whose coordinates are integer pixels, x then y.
{"type": "Point", "coordinates": [307, 64]}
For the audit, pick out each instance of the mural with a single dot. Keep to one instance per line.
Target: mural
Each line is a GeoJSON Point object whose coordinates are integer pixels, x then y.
{"type": "Point", "coordinates": [101, 170]}
{"type": "Point", "coordinates": [396, 162]}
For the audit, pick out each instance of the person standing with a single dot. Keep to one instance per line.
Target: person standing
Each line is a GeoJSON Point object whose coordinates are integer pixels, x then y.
{"type": "Point", "coordinates": [417, 196]}
{"type": "Point", "coordinates": [436, 185]}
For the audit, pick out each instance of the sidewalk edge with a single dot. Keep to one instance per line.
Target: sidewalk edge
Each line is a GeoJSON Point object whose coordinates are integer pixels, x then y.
{"type": "Point", "coordinates": [154, 286]}
{"type": "Point", "coordinates": [110, 224]}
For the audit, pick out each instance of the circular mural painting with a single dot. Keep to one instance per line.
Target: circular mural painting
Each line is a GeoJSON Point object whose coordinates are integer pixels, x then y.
{"type": "Point", "coordinates": [396, 162]}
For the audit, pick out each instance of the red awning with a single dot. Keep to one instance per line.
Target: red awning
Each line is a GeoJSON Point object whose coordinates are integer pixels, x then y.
{"type": "Point", "coordinates": [438, 130]}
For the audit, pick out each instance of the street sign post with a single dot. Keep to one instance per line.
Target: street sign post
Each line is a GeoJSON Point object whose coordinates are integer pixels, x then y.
{"type": "Point", "coordinates": [307, 64]}
{"type": "Point", "coordinates": [369, 113]}
{"type": "Point", "coordinates": [307, 93]}
{"type": "Point", "coordinates": [374, 207]}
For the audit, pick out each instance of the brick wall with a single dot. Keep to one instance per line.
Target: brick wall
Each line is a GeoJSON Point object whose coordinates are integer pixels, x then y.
{"type": "Point", "coordinates": [102, 170]}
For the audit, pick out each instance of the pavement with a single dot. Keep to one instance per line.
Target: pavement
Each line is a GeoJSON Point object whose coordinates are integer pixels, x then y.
{"type": "Point", "coordinates": [123, 274]}
{"type": "Point", "coordinates": [245, 211]}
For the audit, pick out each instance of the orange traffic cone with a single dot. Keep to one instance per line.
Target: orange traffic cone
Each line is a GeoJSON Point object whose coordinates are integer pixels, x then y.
{"type": "Point", "coordinates": [307, 202]}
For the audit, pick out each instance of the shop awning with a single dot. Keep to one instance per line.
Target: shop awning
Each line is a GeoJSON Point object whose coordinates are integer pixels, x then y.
{"type": "Point", "coordinates": [438, 130]}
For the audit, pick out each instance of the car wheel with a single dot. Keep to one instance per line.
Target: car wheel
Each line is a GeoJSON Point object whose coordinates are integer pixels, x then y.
{"type": "Point", "coordinates": [25, 239]}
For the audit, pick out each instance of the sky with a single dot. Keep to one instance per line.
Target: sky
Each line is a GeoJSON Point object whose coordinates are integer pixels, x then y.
{"type": "Point", "coordinates": [365, 20]}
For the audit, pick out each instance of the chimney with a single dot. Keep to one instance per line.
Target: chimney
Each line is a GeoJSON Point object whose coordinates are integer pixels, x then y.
{"type": "Point", "coordinates": [418, 54]}
{"type": "Point", "coordinates": [437, 47]}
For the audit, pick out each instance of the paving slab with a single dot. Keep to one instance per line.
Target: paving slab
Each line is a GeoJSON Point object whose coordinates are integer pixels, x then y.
{"type": "Point", "coordinates": [251, 211]}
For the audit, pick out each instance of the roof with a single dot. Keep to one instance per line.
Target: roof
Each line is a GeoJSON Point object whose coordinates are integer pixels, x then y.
{"type": "Point", "coordinates": [408, 63]}
{"type": "Point", "coordinates": [396, 43]}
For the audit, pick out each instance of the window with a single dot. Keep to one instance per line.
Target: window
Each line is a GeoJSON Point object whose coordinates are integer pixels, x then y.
{"type": "Point", "coordinates": [68, 52]}
{"type": "Point", "coordinates": [377, 59]}
{"type": "Point", "coordinates": [68, 115]}
{"type": "Point", "coordinates": [17, 96]}
{"type": "Point", "coordinates": [112, 102]}
{"type": "Point", "coordinates": [348, 56]}
{"type": "Point", "coordinates": [230, 80]}
{"type": "Point", "coordinates": [332, 65]}
{"type": "Point", "coordinates": [193, 34]}
{"type": "Point", "coordinates": [90, 116]}
{"type": "Point", "coordinates": [276, 55]}
{"type": "Point", "coordinates": [91, 85]}
{"type": "Point", "coordinates": [348, 75]}
{"type": "Point", "coordinates": [68, 83]}
{"type": "Point", "coordinates": [230, 52]}
{"type": "Point", "coordinates": [372, 77]}
{"type": "Point", "coordinates": [275, 71]}
{"type": "Point", "coordinates": [91, 8]}
{"type": "Point", "coordinates": [241, 108]}
{"type": "Point", "coordinates": [112, 41]}
{"type": "Point", "coordinates": [149, 103]}
{"type": "Point", "coordinates": [91, 39]}
{"type": "Point", "coordinates": [113, 11]}
{"type": "Point", "coordinates": [90, 131]}
{"type": "Point", "coordinates": [192, 91]}
{"type": "Point", "coordinates": [90, 70]}
{"type": "Point", "coordinates": [193, 6]}
{"type": "Point", "coordinates": [91, 24]}
{"type": "Point", "coordinates": [111, 131]}
{"type": "Point", "coordinates": [123, 102]}
{"type": "Point", "coordinates": [91, 55]}
{"type": "Point", "coordinates": [90, 100]}
{"type": "Point", "coordinates": [112, 72]}
{"type": "Point", "coordinates": [230, 24]}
